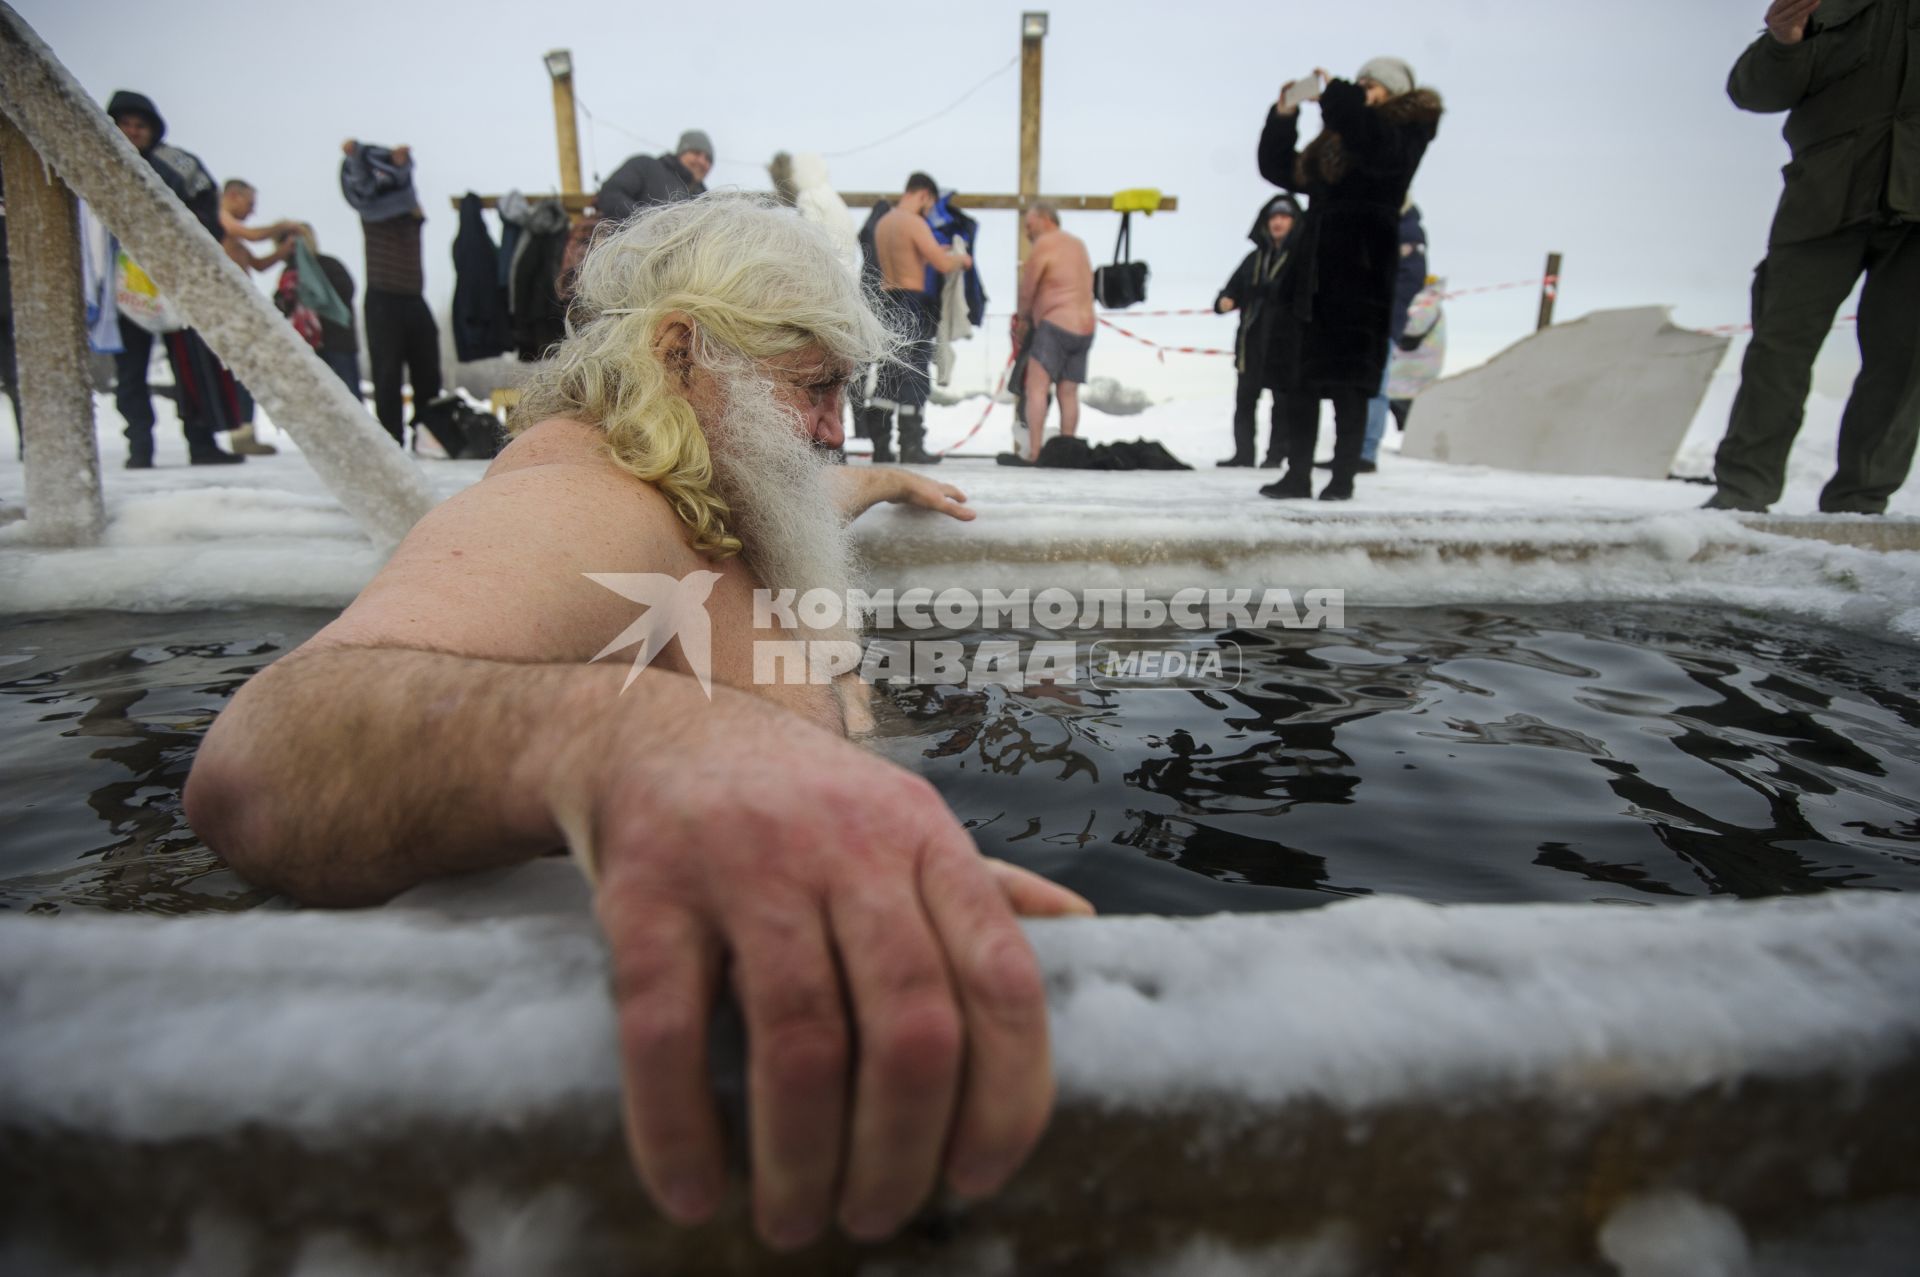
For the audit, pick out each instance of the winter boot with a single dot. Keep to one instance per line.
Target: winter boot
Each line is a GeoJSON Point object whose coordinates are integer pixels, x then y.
{"type": "Point", "coordinates": [913, 435]}
{"type": "Point", "coordinates": [1297, 482]}
{"type": "Point", "coordinates": [241, 440]}
{"type": "Point", "coordinates": [880, 430]}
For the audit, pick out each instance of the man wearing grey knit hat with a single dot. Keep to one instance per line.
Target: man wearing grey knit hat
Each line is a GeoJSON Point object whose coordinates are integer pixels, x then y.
{"type": "Point", "coordinates": [646, 180]}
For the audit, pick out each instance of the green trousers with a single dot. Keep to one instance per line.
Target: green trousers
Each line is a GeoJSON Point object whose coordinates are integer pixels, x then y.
{"type": "Point", "coordinates": [1797, 291]}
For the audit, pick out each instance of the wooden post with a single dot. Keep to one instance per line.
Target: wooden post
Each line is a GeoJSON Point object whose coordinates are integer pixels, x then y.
{"type": "Point", "coordinates": [1033, 31]}
{"type": "Point", "coordinates": [64, 505]}
{"type": "Point", "coordinates": [565, 121]}
{"type": "Point", "coordinates": [1549, 290]}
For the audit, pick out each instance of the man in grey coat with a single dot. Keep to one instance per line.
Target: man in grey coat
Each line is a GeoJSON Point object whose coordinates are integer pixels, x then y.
{"type": "Point", "coordinates": [1847, 72]}
{"type": "Point", "coordinates": [646, 180]}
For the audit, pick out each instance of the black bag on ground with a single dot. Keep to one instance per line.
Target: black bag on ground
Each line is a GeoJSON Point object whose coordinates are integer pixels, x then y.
{"type": "Point", "coordinates": [464, 432]}
{"type": "Point", "coordinates": [1124, 283]}
{"type": "Point", "coordinates": [441, 419]}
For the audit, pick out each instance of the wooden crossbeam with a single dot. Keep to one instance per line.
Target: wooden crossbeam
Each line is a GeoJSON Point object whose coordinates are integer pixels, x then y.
{"type": "Point", "coordinates": [576, 202]}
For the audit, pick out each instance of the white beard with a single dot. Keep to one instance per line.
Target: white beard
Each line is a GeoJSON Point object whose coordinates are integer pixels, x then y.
{"type": "Point", "coordinates": [780, 504]}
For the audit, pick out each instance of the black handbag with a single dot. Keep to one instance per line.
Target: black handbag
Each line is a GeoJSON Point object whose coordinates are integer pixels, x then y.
{"type": "Point", "coordinates": [1124, 283]}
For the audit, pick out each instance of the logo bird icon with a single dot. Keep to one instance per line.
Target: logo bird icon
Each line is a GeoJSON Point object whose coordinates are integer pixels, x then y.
{"type": "Point", "coordinates": [676, 608]}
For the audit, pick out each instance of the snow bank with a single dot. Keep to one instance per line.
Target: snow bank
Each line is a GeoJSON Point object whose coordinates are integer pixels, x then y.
{"type": "Point", "coordinates": [423, 1094]}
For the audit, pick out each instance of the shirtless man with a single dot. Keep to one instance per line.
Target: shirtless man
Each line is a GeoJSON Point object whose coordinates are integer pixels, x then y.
{"type": "Point", "coordinates": [454, 718]}
{"type": "Point", "coordinates": [1056, 313]}
{"type": "Point", "coordinates": [236, 206]}
{"type": "Point", "coordinates": [905, 245]}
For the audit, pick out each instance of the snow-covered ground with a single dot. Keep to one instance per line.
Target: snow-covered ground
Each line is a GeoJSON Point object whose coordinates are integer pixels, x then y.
{"type": "Point", "coordinates": [268, 532]}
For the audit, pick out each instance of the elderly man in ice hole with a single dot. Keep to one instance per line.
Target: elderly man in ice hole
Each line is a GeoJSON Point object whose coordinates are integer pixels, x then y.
{"type": "Point", "coordinates": [453, 719]}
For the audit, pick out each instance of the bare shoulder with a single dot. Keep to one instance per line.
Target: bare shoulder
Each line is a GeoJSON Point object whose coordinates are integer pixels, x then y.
{"type": "Point", "coordinates": [498, 570]}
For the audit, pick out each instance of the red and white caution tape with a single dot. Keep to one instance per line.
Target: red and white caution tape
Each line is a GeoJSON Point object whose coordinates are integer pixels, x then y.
{"type": "Point", "coordinates": [984, 412]}
{"type": "Point", "coordinates": [1163, 351]}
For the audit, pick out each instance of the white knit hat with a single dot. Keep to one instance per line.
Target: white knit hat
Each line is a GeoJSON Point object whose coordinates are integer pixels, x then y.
{"type": "Point", "coordinates": [1391, 74]}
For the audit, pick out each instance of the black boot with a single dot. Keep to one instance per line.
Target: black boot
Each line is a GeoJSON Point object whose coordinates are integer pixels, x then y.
{"type": "Point", "coordinates": [880, 430]}
{"type": "Point", "coordinates": [1238, 459]}
{"type": "Point", "coordinates": [913, 436]}
{"type": "Point", "coordinates": [1349, 437]}
{"type": "Point", "coordinates": [1303, 432]}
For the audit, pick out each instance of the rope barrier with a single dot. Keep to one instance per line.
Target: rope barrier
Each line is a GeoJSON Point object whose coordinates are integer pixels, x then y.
{"type": "Point", "coordinates": [988, 410]}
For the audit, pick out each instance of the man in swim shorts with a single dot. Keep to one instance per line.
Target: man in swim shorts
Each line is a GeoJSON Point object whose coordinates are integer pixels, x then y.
{"type": "Point", "coordinates": [456, 717]}
{"type": "Point", "coordinates": [911, 262]}
{"type": "Point", "coordinates": [1054, 321]}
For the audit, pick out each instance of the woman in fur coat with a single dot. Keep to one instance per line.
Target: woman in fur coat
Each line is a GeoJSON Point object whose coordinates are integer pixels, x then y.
{"type": "Point", "coordinates": [1334, 303]}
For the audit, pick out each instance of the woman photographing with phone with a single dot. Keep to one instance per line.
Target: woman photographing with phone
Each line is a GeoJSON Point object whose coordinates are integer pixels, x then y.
{"type": "Point", "coordinates": [1334, 298]}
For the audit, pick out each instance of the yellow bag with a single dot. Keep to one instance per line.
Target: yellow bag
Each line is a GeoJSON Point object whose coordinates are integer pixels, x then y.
{"type": "Point", "coordinates": [140, 299]}
{"type": "Point", "coordinates": [1141, 199]}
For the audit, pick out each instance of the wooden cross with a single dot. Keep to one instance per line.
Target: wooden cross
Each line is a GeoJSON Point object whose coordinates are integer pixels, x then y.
{"type": "Point", "coordinates": [1033, 31]}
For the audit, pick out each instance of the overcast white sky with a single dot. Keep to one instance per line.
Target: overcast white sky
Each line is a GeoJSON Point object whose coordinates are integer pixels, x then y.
{"type": "Point", "coordinates": [1601, 130]}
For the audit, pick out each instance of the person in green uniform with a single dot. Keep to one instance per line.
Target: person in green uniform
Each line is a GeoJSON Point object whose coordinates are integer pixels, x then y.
{"type": "Point", "coordinates": [1847, 72]}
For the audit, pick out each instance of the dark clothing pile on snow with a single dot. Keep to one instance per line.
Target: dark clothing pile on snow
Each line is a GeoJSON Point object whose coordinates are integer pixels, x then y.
{"type": "Point", "coordinates": [1070, 452]}
{"type": "Point", "coordinates": [376, 185]}
{"type": "Point", "coordinates": [1334, 299]}
{"type": "Point", "coordinates": [643, 181]}
{"type": "Point", "coordinates": [482, 325]}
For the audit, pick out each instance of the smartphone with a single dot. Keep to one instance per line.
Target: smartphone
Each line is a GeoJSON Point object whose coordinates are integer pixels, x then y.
{"type": "Point", "coordinates": [1304, 89]}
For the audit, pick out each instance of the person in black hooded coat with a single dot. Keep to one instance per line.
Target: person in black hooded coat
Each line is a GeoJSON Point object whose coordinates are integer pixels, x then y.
{"type": "Point", "coordinates": [1334, 303]}
{"type": "Point", "coordinates": [1250, 293]}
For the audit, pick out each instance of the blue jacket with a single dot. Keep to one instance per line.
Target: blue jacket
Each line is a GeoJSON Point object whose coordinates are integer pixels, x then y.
{"type": "Point", "coordinates": [949, 222]}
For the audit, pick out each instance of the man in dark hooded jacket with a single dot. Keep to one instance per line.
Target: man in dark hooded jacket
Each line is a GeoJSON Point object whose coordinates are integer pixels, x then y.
{"type": "Point", "coordinates": [201, 386]}
{"type": "Point", "coordinates": [1250, 293]}
{"type": "Point", "coordinates": [645, 180]}
{"type": "Point", "coordinates": [1335, 295]}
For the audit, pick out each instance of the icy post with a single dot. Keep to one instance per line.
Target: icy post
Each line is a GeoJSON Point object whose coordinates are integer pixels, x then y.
{"type": "Point", "coordinates": [64, 506]}
{"type": "Point", "coordinates": [353, 456]}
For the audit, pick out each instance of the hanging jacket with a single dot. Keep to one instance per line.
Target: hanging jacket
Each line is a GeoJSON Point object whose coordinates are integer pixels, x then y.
{"type": "Point", "coordinates": [954, 323]}
{"type": "Point", "coordinates": [482, 327]}
{"type": "Point", "coordinates": [538, 316]}
{"type": "Point", "coordinates": [948, 224]}
{"type": "Point", "coordinates": [870, 277]}
{"type": "Point", "coordinates": [1252, 289]}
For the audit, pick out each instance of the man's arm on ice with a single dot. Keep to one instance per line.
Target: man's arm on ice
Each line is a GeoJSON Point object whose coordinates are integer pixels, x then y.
{"type": "Point", "coordinates": [449, 721]}
{"type": "Point", "coordinates": [858, 489]}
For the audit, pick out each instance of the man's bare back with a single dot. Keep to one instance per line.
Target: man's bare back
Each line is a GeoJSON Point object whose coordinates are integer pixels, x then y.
{"type": "Point", "coordinates": [1062, 282]}
{"type": "Point", "coordinates": [905, 246]}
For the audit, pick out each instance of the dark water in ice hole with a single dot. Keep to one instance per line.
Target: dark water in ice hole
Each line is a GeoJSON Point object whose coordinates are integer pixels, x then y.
{"type": "Point", "coordinates": [1629, 754]}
